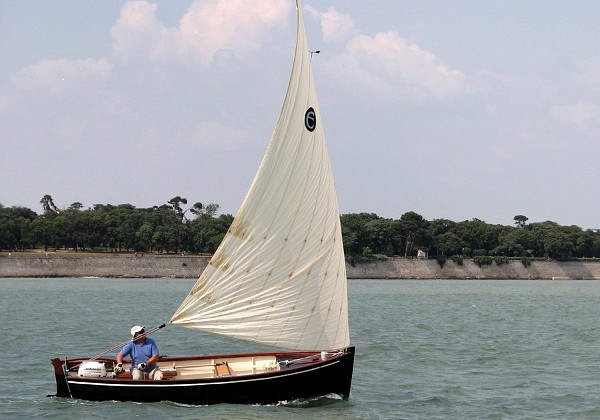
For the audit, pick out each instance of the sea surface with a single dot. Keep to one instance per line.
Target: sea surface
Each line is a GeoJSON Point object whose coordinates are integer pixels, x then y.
{"type": "Point", "coordinates": [432, 349]}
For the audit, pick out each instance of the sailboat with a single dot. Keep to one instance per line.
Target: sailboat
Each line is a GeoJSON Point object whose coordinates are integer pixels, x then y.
{"type": "Point", "coordinates": [278, 279]}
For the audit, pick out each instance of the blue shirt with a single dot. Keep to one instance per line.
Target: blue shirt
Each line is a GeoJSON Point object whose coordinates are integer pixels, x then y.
{"type": "Point", "coordinates": [140, 353]}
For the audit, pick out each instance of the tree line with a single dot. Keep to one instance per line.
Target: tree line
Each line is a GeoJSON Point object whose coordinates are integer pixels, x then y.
{"type": "Point", "coordinates": [366, 234]}
{"type": "Point", "coordinates": [115, 228]}
{"type": "Point", "coordinates": [175, 227]}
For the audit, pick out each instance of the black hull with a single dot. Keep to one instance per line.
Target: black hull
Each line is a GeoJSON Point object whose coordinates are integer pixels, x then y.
{"type": "Point", "coordinates": [331, 376]}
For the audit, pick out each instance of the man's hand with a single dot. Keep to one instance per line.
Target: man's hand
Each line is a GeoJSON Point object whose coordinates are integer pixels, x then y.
{"type": "Point", "coordinates": [118, 368]}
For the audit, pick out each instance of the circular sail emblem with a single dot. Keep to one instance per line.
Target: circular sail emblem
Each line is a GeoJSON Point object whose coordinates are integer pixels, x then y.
{"type": "Point", "coordinates": [310, 119]}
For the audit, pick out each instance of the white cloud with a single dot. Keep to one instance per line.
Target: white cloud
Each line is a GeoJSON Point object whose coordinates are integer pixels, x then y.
{"type": "Point", "coordinates": [385, 64]}
{"type": "Point", "coordinates": [388, 62]}
{"type": "Point", "coordinates": [55, 74]}
{"type": "Point", "coordinates": [207, 28]}
{"type": "Point", "coordinates": [137, 31]}
{"type": "Point", "coordinates": [335, 26]}
{"type": "Point", "coordinates": [578, 113]}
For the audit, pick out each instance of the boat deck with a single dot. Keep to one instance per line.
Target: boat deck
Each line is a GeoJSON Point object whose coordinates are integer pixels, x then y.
{"type": "Point", "coordinates": [202, 368]}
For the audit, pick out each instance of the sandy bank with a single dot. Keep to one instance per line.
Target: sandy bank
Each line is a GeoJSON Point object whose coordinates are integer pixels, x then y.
{"type": "Point", "coordinates": [175, 266]}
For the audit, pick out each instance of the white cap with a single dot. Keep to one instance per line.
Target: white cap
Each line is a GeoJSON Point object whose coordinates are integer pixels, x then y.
{"type": "Point", "coordinates": [136, 329]}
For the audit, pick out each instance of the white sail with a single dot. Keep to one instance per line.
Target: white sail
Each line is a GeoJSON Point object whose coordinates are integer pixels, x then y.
{"type": "Point", "coordinates": [279, 276]}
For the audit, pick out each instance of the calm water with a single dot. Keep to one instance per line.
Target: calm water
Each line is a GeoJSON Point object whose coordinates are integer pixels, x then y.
{"type": "Point", "coordinates": [425, 349]}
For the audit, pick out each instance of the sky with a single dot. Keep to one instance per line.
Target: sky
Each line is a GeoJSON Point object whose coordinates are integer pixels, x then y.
{"type": "Point", "coordinates": [451, 109]}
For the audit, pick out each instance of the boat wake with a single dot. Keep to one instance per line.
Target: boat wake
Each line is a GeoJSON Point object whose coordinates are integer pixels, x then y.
{"type": "Point", "coordinates": [320, 401]}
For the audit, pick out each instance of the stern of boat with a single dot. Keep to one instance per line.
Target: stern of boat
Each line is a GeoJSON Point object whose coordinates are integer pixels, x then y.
{"type": "Point", "coordinates": [62, 387]}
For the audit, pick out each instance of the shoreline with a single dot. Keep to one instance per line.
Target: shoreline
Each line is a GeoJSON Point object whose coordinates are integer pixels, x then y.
{"type": "Point", "coordinates": [100, 265]}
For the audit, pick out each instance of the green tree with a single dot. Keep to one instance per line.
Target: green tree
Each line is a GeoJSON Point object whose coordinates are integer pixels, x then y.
{"type": "Point", "coordinates": [413, 230]}
{"type": "Point", "coordinates": [448, 243]}
{"type": "Point", "coordinates": [208, 211]}
{"type": "Point", "coordinates": [553, 240]}
{"type": "Point", "coordinates": [48, 203]}
{"type": "Point", "coordinates": [92, 227]}
{"type": "Point", "coordinates": [175, 203]}
{"type": "Point", "coordinates": [585, 243]}
{"type": "Point", "coordinates": [354, 231]}
{"type": "Point", "coordinates": [143, 238]}
{"type": "Point", "coordinates": [476, 234]}
{"type": "Point", "coordinates": [207, 233]}
{"type": "Point", "coordinates": [383, 236]}
{"type": "Point", "coordinates": [42, 231]}
{"type": "Point", "coordinates": [517, 242]}
{"type": "Point", "coordinates": [435, 230]}
{"type": "Point", "coordinates": [214, 242]}
{"type": "Point", "coordinates": [520, 220]}
{"type": "Point", "coordinates": [15, 227]}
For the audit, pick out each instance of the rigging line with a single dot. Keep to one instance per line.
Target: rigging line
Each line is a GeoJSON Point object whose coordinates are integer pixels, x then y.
{"type": "Point", "coordinates": [150, 331]}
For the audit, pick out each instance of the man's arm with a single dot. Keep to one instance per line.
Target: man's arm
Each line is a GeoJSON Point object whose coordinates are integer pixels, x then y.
{"type": "Point", "coordinates": [125, 351]}
{"type": "Point", "coordinates": [153, 359]}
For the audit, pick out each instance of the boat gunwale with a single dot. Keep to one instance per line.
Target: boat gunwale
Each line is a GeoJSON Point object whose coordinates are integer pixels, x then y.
{"type": "Point", "coordinates": [334, 358]}
{"type": "Point", "coordinates": [174, 383]}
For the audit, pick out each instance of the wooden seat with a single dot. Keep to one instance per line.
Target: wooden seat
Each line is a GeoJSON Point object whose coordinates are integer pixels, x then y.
{"type": "Point", "coordinates": [167, 374]}
{"type": "Point", "coordinates": [222, 369]}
